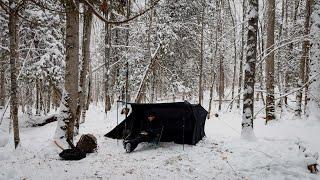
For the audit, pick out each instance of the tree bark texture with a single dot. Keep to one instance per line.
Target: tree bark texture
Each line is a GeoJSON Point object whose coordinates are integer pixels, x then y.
{"type": "Point", "coordinates": [305, 55]}
{"type": "Point", "coordinates": [270, 103]}
{"type": "Point", "coordinates": [87, 26]}
{"type": "Point", "coordinates": [71, 88]}
{"type": "Point", "coordinates": [249, 71]}
{"type": "Point", "coordinates": [14, 58]}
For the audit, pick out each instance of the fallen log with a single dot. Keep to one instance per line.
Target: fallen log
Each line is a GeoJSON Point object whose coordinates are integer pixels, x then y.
{"type": "Point", "coordinates": [47, 120]}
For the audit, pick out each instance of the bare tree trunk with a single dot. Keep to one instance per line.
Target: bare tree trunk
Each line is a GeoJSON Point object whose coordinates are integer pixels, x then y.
{"type": "Point", "coordinates": [315, 61]}
{"type": "Point", "coordinates": [14, 57]}
{"type": "Point", "coordinates": [307, 59]}
{"type": "Point", "coordinates": [29, 99]}
{"type": "Point", "coordinates": [249, 73]}
{"type": "Point", "coordinates": [127, 63]}
{"type": "Point", "coordinates": [260, 45]}
{"type": "Point", "coordinates": [270, 103]}
{"type": "Point", "coordinates": [153, 85]}
{"type": "Point", "coordinates": [140, 95]}
{"type": "Point", "coordinates": [221, 80]}
{"type": "Point", "coordinates": [302, 66]}
{"type": "Point", "coordinates": [278, 57]}
{"type": "Point", "coordinates": [87, 26]}
{"type": "Point", "coordinates": [88, 96]}
{"type": "Point", "coordinates": [201, 57]}
{"type": "Point", "coordinates": [107, 43]}
{"type": "Point", "coordinates": [241, 53]}
{"type": "Point", "coordinates": [289, 55]}
{"type": "Point", "coordinates": [37, 97]}
{"type": "Point", "coordinates": [70, 98]}
{"type": "Point", "coordinates": [48, 106]}
{"type": "Point", "coordinates": [149, 54]}
{"type": "Point", "coordinates": [220, 56]}
{"type": "Point", "coordinates": [3, 56]}
{"type": "Point", "coordinates": [56, 96]}
{"type": "Point", "coordinates": [235, 54]}
{"type": "Point", "coordinates": [212, 73]}
{"type": "Point", "coordinates": [2, 81]}
{"type": "Point", "coordinates": [96, 88]}
{"type": "Point", "coordinates": [41, 90]}
{"type": "Point", "coordinates": [306, 98]}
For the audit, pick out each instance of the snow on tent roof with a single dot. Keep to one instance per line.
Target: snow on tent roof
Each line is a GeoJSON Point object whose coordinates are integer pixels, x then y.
{"type": "Point", "coordinates": [183, 122]}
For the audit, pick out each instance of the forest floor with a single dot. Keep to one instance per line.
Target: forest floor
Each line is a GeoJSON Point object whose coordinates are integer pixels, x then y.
{"type": "Point", "coordinates": [222, 154]}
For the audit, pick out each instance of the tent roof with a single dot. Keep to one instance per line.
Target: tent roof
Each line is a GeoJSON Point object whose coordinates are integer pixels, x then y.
{"type": "Point", "coordinates": [183, 122]}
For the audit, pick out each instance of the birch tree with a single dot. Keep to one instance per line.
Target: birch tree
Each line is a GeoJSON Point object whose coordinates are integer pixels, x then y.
{"type": "Point", "coordinates": [249, 71]}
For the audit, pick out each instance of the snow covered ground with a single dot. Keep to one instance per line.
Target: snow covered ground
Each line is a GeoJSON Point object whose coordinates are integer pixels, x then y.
{"type": "Point", "coordinates": [221, 155]}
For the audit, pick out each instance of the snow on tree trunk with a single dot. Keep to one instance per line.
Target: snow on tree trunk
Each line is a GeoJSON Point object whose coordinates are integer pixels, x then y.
{"type": "Point", "coordinates": [220, 56]}
{"type": "Point", "coordinates": [314, 104]}
{"type": "Point", "coordinates": [149, 54]}
{"type": "Point", "coordinates": [14, 57]}
{"type": "Point", "coordinates": [88, 96]}
{"type": "Point", "coordinates": [212, 72]}
{"type": "Point", "coordinates": [127, 97]}
{"type": "Point", "coordinates": [290, 54]}
{"type": "Point", "coordinates": [200, 89]}
{"type": "Point", "coordinates": [2, 81]}
{"type": "Point", "coordinates": [107, 59]}
{"type": "Point", "coordinates": [280, 65]}
{"type": "Point", "coordinates": [87, 26]}
{"type": "Point", "coordinates": [29, 100]}
{"type": "Point", "coordinates": [241, 54]}
{"type": "Point", "coordinates": [69, 101]}
{"type": "Point", "coordinates": [270, 104]}
{"type": "Point", "coordinates": [235, 52]}
{"type": "Point", "coordinates": [304, 58]}
{"type": "Point", "coordinates": [249, 70]}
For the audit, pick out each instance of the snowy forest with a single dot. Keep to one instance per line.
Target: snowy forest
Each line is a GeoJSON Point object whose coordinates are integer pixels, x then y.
{"type": "Point", "coordinates": [71, 69]}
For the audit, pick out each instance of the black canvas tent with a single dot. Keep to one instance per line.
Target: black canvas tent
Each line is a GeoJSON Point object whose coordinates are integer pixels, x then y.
{"type": "Point", "coordinates": [183, 122]}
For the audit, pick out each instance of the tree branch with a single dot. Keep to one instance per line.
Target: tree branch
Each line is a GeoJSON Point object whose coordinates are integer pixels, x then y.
{"type": "Point", "coordinates": [4, 7]}
{"type": "Point", "coordinates": [102, 18]}
{"type": "Point", "coordinates": [41, 5]}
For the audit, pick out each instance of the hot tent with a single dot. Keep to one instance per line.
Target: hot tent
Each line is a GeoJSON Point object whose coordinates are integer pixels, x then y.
{"type": "Point", "coordinates": [183, 122]}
